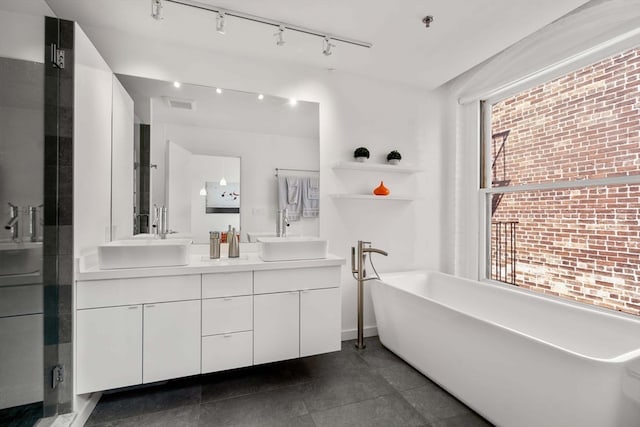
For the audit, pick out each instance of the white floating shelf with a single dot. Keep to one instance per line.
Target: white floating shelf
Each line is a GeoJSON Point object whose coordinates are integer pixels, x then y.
{"type": "Point", "coordinates": [370, 197]}
{"type": "Point", "coordinates": [375, 167]}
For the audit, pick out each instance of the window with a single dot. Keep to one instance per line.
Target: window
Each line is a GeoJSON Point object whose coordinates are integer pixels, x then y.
{"type": "Point", "coordinates": [562, 183]}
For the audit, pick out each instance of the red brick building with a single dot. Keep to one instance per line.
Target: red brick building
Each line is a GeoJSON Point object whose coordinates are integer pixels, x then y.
{"type": "Point", "coordinates": [580, 242]}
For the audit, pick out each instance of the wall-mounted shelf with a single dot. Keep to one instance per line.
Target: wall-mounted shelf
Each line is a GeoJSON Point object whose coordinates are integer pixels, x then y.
{"type": "Point", "coordinates": [371, 197]}
{"type": "Point", "coordinates": [375, 167]}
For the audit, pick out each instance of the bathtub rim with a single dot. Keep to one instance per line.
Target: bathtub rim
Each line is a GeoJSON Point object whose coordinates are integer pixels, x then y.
{"type": "Point", "coordinates": [619, 359]}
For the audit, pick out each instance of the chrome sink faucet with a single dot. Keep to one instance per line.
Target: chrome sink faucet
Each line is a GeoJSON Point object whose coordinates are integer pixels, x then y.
{"type": "Point", "coordinates": [159, 225]}
{"type": "Point", "coordinates": [282, 222]}
{"type": "Point", "coordinates": [14, 217]}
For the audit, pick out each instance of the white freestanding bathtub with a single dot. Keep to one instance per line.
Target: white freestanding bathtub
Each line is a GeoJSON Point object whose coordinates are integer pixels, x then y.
{"type": "Point", "coordinates": [516, 358]}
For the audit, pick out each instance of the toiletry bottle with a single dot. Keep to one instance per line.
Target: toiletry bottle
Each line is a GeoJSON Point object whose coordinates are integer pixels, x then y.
{"type": "Point", "coordinates": [214, 244]}
{"type": "Point", "coordinates": [234, 245]}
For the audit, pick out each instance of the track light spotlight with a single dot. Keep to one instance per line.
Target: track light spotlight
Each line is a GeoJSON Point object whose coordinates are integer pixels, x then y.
{"type": "Point", "coordinates": [327, 46]}
{"type": "Point", "coordinates": [220, 21]}
{"type": "Point", "coordinates": [280, 35]}
{"type": "Point", "coordinates": [156, 10]}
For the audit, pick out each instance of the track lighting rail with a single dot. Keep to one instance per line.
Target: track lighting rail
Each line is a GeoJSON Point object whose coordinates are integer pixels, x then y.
{"type": "Point", "coordinates": [272, 22]}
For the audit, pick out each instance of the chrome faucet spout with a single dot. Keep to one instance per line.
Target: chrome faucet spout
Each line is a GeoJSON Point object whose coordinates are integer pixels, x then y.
{"type": "Point", "coordinates": [14, 217]}
{"type": "Point", "coordinates": [374, 250]}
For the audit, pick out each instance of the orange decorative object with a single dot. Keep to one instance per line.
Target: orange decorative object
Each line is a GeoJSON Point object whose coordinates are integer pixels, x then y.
{"type": "Point", "coordinates": [381, 190]}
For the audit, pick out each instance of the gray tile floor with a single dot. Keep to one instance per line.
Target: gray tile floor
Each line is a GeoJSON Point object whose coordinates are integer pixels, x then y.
{"type": "Point", "coordinates": [370, 387]}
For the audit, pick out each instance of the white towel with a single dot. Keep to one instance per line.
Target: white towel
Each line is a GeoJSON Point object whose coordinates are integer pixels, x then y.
{"type": "Point", "coordinates": [294, 210]}
{"type": "Point", "coordinates": [310, 197]}
{"type": "Point", "coordinates": [313, 188]}
{"type": "Point", "coordinates": [293, 189]}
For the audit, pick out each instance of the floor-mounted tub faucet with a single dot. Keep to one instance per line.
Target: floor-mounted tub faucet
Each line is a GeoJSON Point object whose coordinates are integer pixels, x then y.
{"type": "Point", "coordinates": [357, 269]}
{"type": "Point", "coordinates": [14, 217]}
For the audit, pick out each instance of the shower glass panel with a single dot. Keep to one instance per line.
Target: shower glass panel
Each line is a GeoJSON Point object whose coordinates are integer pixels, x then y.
{"type": "Point", "coordinates": [21, 242]}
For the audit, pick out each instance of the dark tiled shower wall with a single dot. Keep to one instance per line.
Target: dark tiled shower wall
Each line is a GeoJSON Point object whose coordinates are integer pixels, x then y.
{"type": "Point", "coordinates": [145, 178]}
{"type": "Point", "coordinates": [58, 218]}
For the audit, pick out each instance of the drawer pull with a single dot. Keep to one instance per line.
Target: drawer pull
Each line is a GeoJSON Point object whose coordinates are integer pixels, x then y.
{"type": "Point", "coordinates": [133, 307]}
{"type": "Point", "coordinates": [149, 305]}
{"type": "Point", "coordinates": [228, 299]}
{"type": "Point", "coordinates": [227, 335]}
{"type": "Point", "coordinates": [293, 293]}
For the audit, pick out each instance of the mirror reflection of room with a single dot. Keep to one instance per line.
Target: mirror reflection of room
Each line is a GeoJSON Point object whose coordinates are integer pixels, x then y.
{"type": "Point", "coordinates": [188, 135]}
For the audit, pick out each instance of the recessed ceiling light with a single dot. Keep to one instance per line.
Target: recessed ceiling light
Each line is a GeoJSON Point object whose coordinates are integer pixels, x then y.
{"type": "Point", "coordinates": [218, 90]}
{"type": "Point", "coordinates": [293, 101]}
{"type": "Point", "coordinates": [261, 97]}
{"type": "Point", "coordinates": [176, 84]}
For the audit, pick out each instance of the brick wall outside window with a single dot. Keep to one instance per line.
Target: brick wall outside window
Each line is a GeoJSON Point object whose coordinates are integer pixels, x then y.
{"type": "Point", "coordinates": [579, 243]}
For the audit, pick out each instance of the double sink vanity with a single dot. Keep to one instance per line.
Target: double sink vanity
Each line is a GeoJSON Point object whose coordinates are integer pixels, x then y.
{"type": "Point", "coordinates": [161, 309]}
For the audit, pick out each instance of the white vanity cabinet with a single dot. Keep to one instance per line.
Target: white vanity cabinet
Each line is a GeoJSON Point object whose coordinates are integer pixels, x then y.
{"type": "Point", "coordinates": [297, 313]}
{"type": "Point", "coordinates": [145, 329]}
{"type": "Point", "coordinates": [227, 321]}
{"type": "Point", "coordinates": [108, 348]}
{"type": "Point", "coordinates": [277, 328]}
{"type": "Point", "coordinates": [113, 316]}
{"type": "Point", "coordinates": [171, 344]}
{"type": "Point", "coordinates": [320, 321]}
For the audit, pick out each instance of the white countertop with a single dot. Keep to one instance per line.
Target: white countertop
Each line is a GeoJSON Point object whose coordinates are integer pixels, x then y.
{"type": "Point", "coordinates": [200, 263]}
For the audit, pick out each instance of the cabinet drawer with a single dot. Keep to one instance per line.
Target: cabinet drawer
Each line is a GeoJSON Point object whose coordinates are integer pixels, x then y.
{"type": "Point", "coordinates": [225, 315]}
{"type": "Point", "coordinates": [112, 292]}
{"type": "Point", "coordinates": [228, 351]}
{"type": "Point", "coordinates": [295, 279]}
{"type": "Point", "coordinates": [227, 284]}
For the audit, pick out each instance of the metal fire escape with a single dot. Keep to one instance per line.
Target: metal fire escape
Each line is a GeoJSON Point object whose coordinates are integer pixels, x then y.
{"type": "Point", "coordinates": [503, 241]}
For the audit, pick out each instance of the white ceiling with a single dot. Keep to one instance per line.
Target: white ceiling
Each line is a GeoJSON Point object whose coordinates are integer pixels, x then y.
{"type": "Point", "coordinates": [464, 33]}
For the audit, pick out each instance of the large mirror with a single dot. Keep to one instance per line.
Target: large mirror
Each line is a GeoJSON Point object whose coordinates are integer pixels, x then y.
{"type": "Point", "coordinates": [197, 145]}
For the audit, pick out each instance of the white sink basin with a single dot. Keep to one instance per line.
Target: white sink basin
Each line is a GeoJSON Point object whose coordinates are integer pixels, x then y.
{"type": "Point", "coordinates": [292, 248]}
{"type": "Point", "coordinates": [20, 258]}
{"type": "Point", "coordinates": [143, 253]}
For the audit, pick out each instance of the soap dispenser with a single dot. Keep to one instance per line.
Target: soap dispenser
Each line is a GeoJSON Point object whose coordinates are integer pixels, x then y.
{"type": "Point", "coordinates": [234, 245]}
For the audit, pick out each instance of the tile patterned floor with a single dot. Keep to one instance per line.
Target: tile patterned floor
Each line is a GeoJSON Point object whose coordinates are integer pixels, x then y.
{"type": "Point", "coordinates": [21, 416]}
{"type": "Point", "coordinates": [370, 387]}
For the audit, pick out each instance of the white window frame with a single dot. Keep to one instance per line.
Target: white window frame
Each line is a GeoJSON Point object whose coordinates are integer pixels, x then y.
{"type": "Point", "coordinates": [485, 192]}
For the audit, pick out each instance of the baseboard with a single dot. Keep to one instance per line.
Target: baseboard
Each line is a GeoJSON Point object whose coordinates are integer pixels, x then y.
{"type": "Point", "coordinates": [64, 420]}
{"type": "Point", "coordinates": [84, 413]}
{"type": "Point", "coordinates": [352, 334]}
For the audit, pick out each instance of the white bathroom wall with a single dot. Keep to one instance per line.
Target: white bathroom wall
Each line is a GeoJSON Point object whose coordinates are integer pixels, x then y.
{"type": "Point", "coordinates": [121, 163]}
{"type": "Point", "coordinates": [92, 146]}
{"type": "Point", "coordinates": [354, 111]}
{"type": "Point", "coordinates": [22, 35]}
{"type": "Point", "coordinates": [178, 199]}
